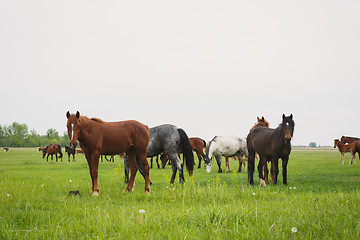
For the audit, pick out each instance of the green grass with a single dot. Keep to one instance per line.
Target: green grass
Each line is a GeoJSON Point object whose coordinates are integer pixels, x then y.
{"type": "Point", "coordinates": [322, 200]}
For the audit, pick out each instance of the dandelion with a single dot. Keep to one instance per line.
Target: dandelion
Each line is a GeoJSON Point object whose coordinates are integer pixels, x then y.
{"type": "Point", "coordinates": [294, 230]}
{"type": "Point", "coordinates": [70, 181]}
{"type": "Point", "coordinates": [253, 194]}
{"type": "Point", "coordinates": [294, 188]}
{"type": "Point", "coordinates": [8, 195]}
{"type": "Point", "coordinates": [141, 211]}
{"type": "Point", "coordinates": [290, 188]}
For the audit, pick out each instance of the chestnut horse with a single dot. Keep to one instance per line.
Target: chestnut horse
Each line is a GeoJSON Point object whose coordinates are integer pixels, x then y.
{"type": "Point", "coordinates": [197, 144]}
{"type": "Point", "coordinates": [111, 138]}
{"type": "Point", "coordinates": [345, 139]}
{"type": "Point", "coordinates": [270, 144]}
{"type": "Point", "coordinates": [353, 148]}
{"type": "Point", "coordinates": [261, 122]}
{"type": "Point", "coordinates": [51, 150]}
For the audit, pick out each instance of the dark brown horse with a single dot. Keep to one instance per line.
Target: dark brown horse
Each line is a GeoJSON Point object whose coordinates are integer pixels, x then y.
{"type": "Point", "coordinates": [270, 144]}
{"type": "Point", "coordinates": [345, 139]}
{"type": "Point", "coordinates": [111, 138]}
{"type": "Point", "coordinates": [261, 122]}
{"type": "Point", "coordinates": [51, 150]}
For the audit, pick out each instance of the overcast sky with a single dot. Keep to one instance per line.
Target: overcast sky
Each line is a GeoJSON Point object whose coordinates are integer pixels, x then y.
{"type": "Point", "coordinates": [209, 67]}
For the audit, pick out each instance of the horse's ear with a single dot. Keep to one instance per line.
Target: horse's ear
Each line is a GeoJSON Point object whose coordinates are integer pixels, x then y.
{"type": "Point", "coordinates": [291, 116]}
{"type": "Point", "coordinates": [258, 118]}
{"type": "Point", "coordinates": [263, 118]}
{"type": "Point", "coordinates": [283, 117]}
{"type": "Point", "coordinates": [77, 114]}
{"type": "Point", "coordinates": [68, 114]}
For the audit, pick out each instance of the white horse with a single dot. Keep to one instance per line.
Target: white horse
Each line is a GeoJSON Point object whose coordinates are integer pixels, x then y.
{"type": "Point", "coordinates": [226, 146]}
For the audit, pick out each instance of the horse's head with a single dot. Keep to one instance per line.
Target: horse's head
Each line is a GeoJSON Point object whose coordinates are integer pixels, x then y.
{"type": "Point", "coordinates": [73, 126]}
{"type": "Point", "coordinates": [207, 158]}
{"type": "Point", "coordinates": [336, 142]}
{"type": "Point", "coordinates": [288, 125]}
{"type": "Point", "coordinates": [262, 122]}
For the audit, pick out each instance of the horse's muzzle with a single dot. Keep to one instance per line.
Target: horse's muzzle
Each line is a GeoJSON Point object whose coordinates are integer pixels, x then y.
{"type": "Point", "coordinates": [287, 140]}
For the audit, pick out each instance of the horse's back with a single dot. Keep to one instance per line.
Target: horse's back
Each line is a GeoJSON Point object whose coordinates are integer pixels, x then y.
{"type": "Point", "coordinates": [163, 137]}
{"type": "Point", "coordinates": [258, 138]}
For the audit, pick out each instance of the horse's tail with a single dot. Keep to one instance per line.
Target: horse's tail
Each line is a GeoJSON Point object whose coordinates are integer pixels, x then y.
{"type": "Point", "coordinates": [187, 151]}
{"type": "Point", "coordinates": [59, 151]}
{"type": "Point", "coordinates": [204, 145]}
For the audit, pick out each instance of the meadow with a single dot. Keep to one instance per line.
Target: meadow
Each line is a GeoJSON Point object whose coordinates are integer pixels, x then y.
{"type": "Point", "coordinates": [321, 201]}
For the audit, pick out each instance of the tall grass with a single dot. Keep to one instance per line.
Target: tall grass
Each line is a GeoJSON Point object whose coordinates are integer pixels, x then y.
{"type": "Point", "coordinates": [321, 200]}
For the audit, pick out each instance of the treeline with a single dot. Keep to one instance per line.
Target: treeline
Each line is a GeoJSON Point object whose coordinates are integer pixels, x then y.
{"type": "Point", "coordinates": [18, 135]}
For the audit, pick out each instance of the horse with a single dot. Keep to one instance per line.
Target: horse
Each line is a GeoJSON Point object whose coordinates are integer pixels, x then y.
{"type": "Point", "coordinates": [170, 138]}
{"type": "Point", "coordinates": [273, 144]}
{"type": "Point", "coordinates": [227, 165]}
{"type": "Point", "coordinates": [6, 149]}
{"type": "Point", "coordinates": [344, 148]}
{"type": "Point", "coordinates": [70, 151]}
{"type": "Point", "coordinates": [51, 150]}
{"type": "Point", "coordinates": [227, 146]}
{"type": "Point", "coordinates": [261, 122]}
{"type": "Point", "coordinates": [345, 139]}
{"type": "Point", "coordinates": [198, 145]}
{"type": "Point", "coordinates": [98, 137]}
{"type": "Point", "coordinates": [80, 151]}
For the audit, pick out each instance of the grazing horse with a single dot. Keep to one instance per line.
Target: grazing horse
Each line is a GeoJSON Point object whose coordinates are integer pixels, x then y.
{"type": "Point", "coordinates": [170, 138]}
{"type": "Point", "coordinates": [273, 144]}
{"type": "Point", "coordinates": [227, 146]}
{"type": "Point", "coordinates": [198, 145]}
{"type": "Point", "coordinates": [51, 150]}
{"type": "Point", "coordinates": [345, 139]}
{"type": "Point", "coordinates": [6, 149]}
{"type": "Point", "coordinates": [70, 151]}
{"type": "Point", "coordinates": [98, 137]}
{"type": "Point", "coordinates": [261, 122]}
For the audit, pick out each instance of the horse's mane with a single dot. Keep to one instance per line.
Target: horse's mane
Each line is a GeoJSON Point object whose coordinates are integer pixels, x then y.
{"type": "Point", "coordinates": [97, 120]}
{"type": "Point", "coordinates": [84, 121]}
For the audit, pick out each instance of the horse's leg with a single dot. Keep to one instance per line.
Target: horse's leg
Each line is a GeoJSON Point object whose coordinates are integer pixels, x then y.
{"type": "Point", "coordinates": [266, 172]}
{"type": "Point", "coordinates": [47, 157]}
{"type": "Point", "coordinates": [199, 157]}
{"type": "Point", "coordinates": [68, 157]}
{"type": "Point", "coordinates": [157, 161]}
{"type": "Point", "coordinates": [94, 172]}
{"type": "Point", "coordinates": [143, 166]}
{"type": "Point", "coordinates": [176, 165]}
{"type": "Point", "coordinates": [227, 167]}
{"type": "Point", "coordinates": [140, 167]}
{"type": "Point", "coordinates": [126, 168]}
{"type": "Point", "coordinates": [133, 169]}
{"type": "Point", "coordinates": [285, 161]}
{"type": "Point", "coordinates": [342, 157]}
{"type": "Point", "coordinates": [251, 167]}
{"type": "Point", "coordinates": [260, 170]}
{"type": "Point", "coordinates": [272, 170]}
{"type": "Point", "coordinates": [56, 157]}
{"type": "Point", "coordinates": [151, 162]}
{"type": "Point", "coordinates": [276, 168]}
{"type": "Point", "coordinates": [218, 161]}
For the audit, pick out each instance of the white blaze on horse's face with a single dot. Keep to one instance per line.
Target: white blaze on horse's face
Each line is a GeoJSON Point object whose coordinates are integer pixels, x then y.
{"type": "Point", "coordinates": [72, 132]}
{"type": "Point", "coordinates": [208, 167]}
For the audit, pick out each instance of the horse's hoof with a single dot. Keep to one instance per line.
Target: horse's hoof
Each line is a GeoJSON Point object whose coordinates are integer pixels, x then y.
{"type": "Point", "coordinates": [95, 193]}
{"type": "Point", "coordinates": [262, 183]}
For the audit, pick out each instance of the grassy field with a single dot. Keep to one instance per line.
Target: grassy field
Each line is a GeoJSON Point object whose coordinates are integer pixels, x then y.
{"type": "Point", "coordinates": [321, 201]}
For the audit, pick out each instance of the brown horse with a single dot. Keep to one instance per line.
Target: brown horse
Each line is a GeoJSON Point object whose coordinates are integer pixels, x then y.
{"type": "Point", "coordinates": [51, 150]}
{"type": "Point", "coordinates": [345, 139]}
{"type": "Point", "coordinates": [261, 122]}
{"type": "Point", "coordinates": [270, 144]}
{"type": "Point", "coordinates": [344, 148]}
{"type": "Point", "coordinates": [111, 138]}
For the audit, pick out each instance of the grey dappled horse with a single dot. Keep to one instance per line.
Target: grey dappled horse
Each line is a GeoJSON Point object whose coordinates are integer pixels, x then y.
{"type": "Point", "coordinates": [169, 138]}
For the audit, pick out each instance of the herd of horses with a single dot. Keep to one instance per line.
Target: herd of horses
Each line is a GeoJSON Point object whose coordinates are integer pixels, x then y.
{"type": "Point", "coordinates": [348, 144]}
{"type": "Point", "coordinates": [139, 142]}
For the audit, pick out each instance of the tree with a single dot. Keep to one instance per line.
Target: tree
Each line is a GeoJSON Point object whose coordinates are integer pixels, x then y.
{"type": "Point", "coordinates": [312, 144]}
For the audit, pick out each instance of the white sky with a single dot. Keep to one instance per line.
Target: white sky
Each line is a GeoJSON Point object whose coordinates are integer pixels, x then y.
{"type": "Point", "coordinates": [209, 67]}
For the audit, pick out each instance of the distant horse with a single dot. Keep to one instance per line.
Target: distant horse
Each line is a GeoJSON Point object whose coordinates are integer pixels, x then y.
{"type": "Point", "coordinates": [197, 144]}
{"type": "Point", "coordinates": [51, 150]}
{"type": "Point", "coordinates": [227, 146]}
{"type": "Point", "coordinates": [80, 151]}
{"type": "Point", "coordinates": [344, 148]}
{"type": "Point", "coordinates": [170, 138]}
{"type": "Point", "coordinates": [227, 165]}
{"type": "Point", "coordinates": [261, 122]}
{"type": "Point", "coordinates": [70, 151]}
{"type": "Point", "coordinates": [345, 139]}
{"type": "Point", "coordinates": [273, 144]}
{"type": "Point", "coordinates": [40, 149]}
{"type": "Point", "coordinates": [6, 149]}
{"type": "Point", "coordinates": [98, 137]}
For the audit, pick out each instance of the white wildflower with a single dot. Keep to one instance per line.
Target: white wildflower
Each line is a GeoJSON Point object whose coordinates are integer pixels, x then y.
{"type": "Point", "coordinates": [141, 211]}
{"type": "Point", "coordinates": [294, 230]}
